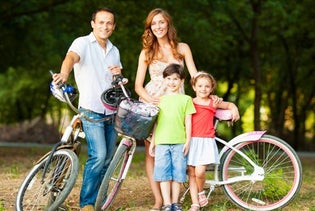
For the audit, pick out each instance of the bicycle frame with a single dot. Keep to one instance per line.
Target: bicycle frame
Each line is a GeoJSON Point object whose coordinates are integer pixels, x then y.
{"type": "Point", "coordinates": [257, 175]}
{"type": "Point", "coordinates": [259, 172]}
{"type": "Point", "coordinates": [129, 142]}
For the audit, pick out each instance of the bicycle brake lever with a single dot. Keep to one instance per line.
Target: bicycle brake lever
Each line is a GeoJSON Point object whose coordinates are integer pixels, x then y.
{"type": "Point", "coordinates": [118, 79]}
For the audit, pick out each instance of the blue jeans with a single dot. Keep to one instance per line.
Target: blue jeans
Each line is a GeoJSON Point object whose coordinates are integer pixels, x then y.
{"type": "Point", "coordinates": [170, 163]}
{"type": "Point", "coordinates": [101, 141]}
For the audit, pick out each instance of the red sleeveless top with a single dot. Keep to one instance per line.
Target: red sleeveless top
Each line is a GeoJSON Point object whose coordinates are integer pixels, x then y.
{"type": "Point", "coordinates": [202, 121]}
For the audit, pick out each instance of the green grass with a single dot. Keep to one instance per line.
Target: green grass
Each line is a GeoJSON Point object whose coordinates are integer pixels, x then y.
{"type": "Point", "coordinates": [1, 206]}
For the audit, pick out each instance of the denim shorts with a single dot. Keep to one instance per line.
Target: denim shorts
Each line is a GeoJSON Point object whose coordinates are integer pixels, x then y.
{"type": "Point", "coordinates": [170, 163]}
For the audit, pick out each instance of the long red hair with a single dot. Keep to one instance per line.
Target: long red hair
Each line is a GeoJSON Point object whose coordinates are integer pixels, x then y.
{"type": "Point", "coordinates": [149, 41]}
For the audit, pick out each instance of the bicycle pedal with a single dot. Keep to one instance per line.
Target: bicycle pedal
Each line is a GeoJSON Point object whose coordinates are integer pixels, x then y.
{"type": "Point", "coordinates": [62, 208]}
{"type": "Point", "coordinates": [81, 134]}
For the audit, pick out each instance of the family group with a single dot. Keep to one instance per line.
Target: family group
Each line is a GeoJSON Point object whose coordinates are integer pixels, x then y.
{"type": "Point", "coordinates": [183, 136]}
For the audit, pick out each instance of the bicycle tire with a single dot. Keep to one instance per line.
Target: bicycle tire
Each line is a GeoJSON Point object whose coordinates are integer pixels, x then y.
{"type": "Point", "coordinates": [48, 194]}
{"type": "Point", "coordinates": [283, 174]}
{"type": "Point", "coordinates": [113, 179]}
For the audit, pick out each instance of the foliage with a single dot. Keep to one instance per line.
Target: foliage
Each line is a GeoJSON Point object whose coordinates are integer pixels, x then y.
{"type": "Point", "coordinates": [262, 51]}
{"type": "Point", "coordinates": [1, 207]}
{"type": "Point", "coordinates": [275, 190]}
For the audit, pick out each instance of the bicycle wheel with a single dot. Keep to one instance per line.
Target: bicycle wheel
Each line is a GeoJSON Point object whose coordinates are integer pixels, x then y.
{"type": "Point", "coordinates": [38, 193]}
{"type": "Point", "coordinates": [113, 179]}
{"type": "Point", "coordinates": [282, 180]}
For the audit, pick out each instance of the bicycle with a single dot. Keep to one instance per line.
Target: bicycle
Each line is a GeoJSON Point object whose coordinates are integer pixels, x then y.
{"type": "Point", "coordinates": [53, 176]}
{"type": "Point", "coordinates": [134, 121]}
{"type": "Point", "coordinates": [257, 171]}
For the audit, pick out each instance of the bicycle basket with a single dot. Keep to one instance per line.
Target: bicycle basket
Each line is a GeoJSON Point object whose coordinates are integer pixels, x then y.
{"type": "Point", "coordinates": [135, 119]}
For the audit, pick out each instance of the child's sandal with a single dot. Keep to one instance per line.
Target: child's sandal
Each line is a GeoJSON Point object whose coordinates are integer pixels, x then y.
{"type": "Point", "coordinates": [203, 201]}
{"type": "Point", "coordinates": [194, 207]}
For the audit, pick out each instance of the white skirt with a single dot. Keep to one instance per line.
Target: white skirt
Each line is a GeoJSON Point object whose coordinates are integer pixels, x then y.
{"type": "Point", "coordinates": [203, 151]}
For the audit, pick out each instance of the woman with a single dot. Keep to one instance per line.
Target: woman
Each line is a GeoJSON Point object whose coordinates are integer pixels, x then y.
{"type": "Point", "coordinates": [160, 48]}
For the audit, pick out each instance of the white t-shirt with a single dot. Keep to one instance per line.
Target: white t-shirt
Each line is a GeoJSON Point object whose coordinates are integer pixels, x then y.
{"type": "Point", "coordinates": [91, 73]}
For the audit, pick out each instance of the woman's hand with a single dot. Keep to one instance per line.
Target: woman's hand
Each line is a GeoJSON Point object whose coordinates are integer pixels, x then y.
{"type": "Point", "coordinates": [235, 114]}
{"type": "Point", "coordinates": [155, 101]}
{"type": "Point", "coordinates": [216, 99]}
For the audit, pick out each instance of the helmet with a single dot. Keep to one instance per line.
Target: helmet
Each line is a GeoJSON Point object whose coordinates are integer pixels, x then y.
{"type": "Point", "coordinates": [59, 92]}
{"type": "Point", "coordinates": [112, 96]}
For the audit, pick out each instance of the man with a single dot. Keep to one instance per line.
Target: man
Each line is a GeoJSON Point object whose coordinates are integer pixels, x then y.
{"type": "Point", "coordinates": [94, 60]}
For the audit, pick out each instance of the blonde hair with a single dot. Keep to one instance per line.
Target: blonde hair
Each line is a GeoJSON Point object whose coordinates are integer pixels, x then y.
{"type": "Point", "coordinates": [149, 41]}
{"type": "Point", "coordinates": [203, 74]}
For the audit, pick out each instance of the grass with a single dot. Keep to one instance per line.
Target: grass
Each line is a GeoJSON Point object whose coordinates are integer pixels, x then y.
{"type": "Point", "coordinates": [1, 206]}
{"type": "Point", "coordinates": [135, 193]}
{"type": "Point", "coordinates": [305, 199]}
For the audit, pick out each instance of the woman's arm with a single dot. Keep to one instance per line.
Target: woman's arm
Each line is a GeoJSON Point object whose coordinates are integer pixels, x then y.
{"type": "Point", "coordinates": [140, 77]}
{"type": "Point", "coordinates": [184, 49]}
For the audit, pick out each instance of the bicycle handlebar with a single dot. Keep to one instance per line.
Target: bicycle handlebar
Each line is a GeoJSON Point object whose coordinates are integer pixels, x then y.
{"type": "Point", "coordinates": [65, 90]}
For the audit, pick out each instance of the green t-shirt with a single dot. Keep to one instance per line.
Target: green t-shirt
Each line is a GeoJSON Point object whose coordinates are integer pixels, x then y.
{"type": "Point", "coordinates": [170, 128]}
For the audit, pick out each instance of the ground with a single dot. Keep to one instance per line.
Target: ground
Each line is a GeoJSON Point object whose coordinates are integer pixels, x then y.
{"type": "Point", "coordinates": [135, 193]}
{"type": "Point", "coordinates": [15, 163]}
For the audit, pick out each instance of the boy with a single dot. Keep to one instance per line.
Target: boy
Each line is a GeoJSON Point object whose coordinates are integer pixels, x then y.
{"type": "Point", "coordinates": [171, 137]}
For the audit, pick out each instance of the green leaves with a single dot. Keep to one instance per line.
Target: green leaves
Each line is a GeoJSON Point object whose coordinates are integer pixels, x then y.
{"type": "Point", "coordinates": [35, 36]}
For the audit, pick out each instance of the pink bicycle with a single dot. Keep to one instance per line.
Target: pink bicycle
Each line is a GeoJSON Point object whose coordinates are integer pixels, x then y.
{"type": "Point", "coordinates": [256, 171]}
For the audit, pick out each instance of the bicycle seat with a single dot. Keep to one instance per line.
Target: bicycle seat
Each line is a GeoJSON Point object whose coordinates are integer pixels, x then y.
{"type": "Point", "coordinates": [222, 114]}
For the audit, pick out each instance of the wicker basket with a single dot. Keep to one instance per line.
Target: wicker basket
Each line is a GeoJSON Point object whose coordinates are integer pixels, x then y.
{"type": "Point", "coordinates": [135, 119]}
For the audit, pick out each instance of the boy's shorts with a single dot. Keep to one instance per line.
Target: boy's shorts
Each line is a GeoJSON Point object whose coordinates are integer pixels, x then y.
{"type": "Point", "coordinates": [170, 163]}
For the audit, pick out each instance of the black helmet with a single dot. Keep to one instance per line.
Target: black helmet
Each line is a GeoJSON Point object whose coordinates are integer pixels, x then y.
{"type": "Point", "coordinates": [112, 96]}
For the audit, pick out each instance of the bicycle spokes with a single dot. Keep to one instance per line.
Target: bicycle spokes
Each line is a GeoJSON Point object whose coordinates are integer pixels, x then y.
{"type": "Point", "coordinates": [281, 179]}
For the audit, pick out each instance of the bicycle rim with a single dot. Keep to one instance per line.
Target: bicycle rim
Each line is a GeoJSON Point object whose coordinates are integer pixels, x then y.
{"type": "Point", "coordinates": [37, 194]}
{"type": "Point", "coordinates": [113, 179]}
{"type": "Point", "coordinates": [283, 174]}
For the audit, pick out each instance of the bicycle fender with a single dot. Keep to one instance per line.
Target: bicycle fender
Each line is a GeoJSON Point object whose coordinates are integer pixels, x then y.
{"type": "Point", "coordinates": [249, 136]}
{"type": "Point", "coordinates": [48, 153]}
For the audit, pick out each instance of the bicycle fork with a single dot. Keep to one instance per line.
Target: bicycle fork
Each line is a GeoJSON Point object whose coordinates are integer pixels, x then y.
{"type": "Point", "coordinates": [130, 143]}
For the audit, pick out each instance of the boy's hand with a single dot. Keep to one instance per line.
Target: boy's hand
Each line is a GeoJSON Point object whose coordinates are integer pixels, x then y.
{"type": "Point", "coordinates": [152, 149]}
{"type": "Point", "coordinates": [186, 148]}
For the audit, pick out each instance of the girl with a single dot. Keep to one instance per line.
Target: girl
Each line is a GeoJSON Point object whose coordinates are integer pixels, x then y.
{"type": "Point", "coordinates": [202, 142]}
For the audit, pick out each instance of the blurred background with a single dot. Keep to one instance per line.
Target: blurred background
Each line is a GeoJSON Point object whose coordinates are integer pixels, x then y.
{"type": "Point", "coordinates": [261, 52]}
